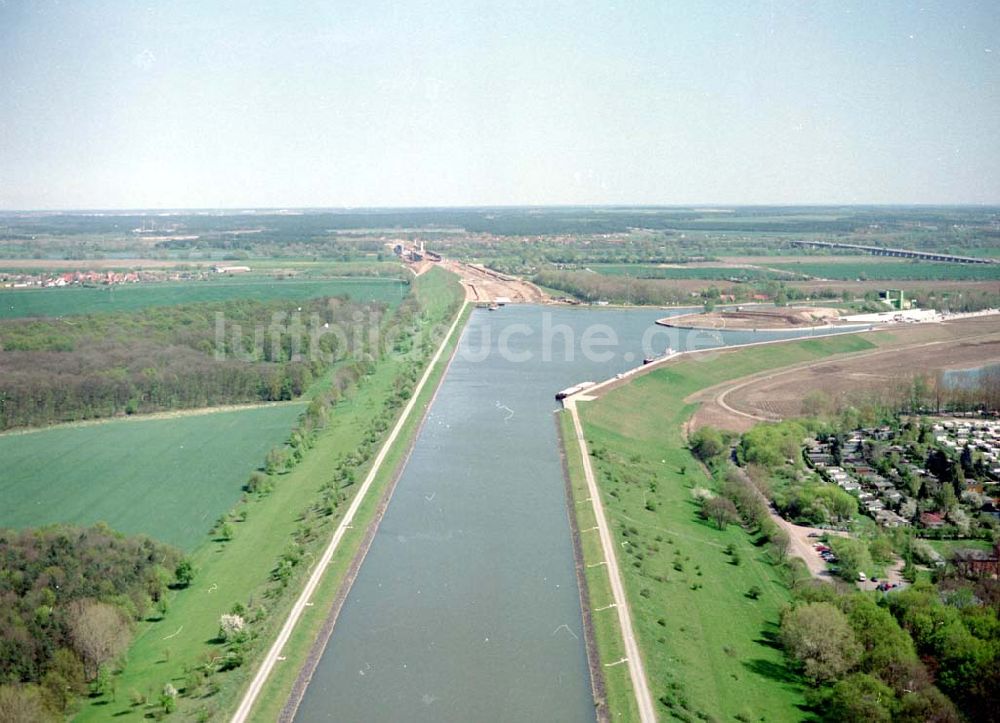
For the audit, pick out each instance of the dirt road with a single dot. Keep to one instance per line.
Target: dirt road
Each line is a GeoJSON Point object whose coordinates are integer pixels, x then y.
{"type": "Point", "coordinates": [773, 395]}
{"type": "Point", "coordinates": [484, 285]}
{"type": "Point", "coordinates": [644, 700]}
{"type": "Point", "coordinates": [802, 545]}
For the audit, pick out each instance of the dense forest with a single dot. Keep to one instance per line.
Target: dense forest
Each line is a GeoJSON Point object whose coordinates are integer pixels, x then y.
{"type": "Point", "coordinates": [57, 370]}
{"type": "Point", "coordinates": [68, 599]}
{"type": "Point", "coordinates": [694, 231]}
{"type": "Point", "coordinates": [891, 659]}
{"type": "Point", "coordinates": [664, 292]}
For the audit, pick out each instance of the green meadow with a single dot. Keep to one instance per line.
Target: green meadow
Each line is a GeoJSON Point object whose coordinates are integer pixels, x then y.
{"type": "Point", "coordinates": [17, 303]}
{"type": "Point", "coordinates": [706, 273]}
{"type": "Point", "coordinates": [166, 477]}
{"type": "Point", "coordinates": [895, 270]}
{"type": "Point", "coordinates": [708, 646]}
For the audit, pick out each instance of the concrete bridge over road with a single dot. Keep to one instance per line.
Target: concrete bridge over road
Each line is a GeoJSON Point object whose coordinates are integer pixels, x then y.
{"type": "Point", "coordinates": [901, 253]}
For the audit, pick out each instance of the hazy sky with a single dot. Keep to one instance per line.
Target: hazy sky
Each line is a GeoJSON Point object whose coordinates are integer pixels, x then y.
{"type": "Point", "coordinates": [238, 104]}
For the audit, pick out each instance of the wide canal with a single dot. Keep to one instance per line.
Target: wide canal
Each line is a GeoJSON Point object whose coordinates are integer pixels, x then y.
{"type": "Point", "coordinates": [467, 607]}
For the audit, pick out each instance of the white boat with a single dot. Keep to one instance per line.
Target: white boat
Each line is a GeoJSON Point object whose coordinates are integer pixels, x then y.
{"type": "Point", "coordinates": [576, 388]}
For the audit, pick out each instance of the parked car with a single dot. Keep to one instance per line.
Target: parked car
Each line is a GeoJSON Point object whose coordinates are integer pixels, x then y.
{"type": "Point", "coordinates": [862, 577]}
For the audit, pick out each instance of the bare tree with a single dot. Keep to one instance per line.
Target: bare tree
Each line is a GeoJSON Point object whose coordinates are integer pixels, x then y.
{"type": "Point", "coordinates": [721, 510]}
{"type": "Point", "coordinates": [23, 704]}
{"type": "Point", "coordinates": [780, 542]}
{"type": "Point", "coordinates": [100, 633]}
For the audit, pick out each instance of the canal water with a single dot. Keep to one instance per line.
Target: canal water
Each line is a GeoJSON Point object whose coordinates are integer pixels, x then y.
{"type": "Point", "coordinates": [467, 607]}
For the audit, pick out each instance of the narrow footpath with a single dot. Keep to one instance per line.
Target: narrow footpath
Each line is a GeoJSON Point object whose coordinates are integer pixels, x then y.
{"type": "Point", "coordinates": [643, 698]}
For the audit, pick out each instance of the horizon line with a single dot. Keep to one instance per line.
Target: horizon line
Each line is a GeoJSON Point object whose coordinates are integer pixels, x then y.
{"type": "Point", "coordinates": [249, 209]}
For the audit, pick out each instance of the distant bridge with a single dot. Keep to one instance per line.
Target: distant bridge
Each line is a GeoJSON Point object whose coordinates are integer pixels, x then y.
{"type": "Point", "coordinates": [901, 253]}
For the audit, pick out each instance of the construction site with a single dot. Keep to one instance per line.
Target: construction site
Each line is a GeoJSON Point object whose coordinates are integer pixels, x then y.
{"type": "Point", "coordinates": [887, 370]}
{"type": "Point", "coordinates": [482, 285]}
{"type": "Point", "coordinates": [756, 318]}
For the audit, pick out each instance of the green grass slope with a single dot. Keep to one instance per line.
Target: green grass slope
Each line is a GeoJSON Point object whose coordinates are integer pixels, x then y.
{"type": "Point", "coordinates": [708, 647]}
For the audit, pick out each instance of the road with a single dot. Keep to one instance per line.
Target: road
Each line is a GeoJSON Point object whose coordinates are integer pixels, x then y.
{"type": "Point", "coordinates": [257, 684]}
{"type": "Point", "coordinates": [803, 546]}
{"type": "Point", "coordinates": [643, 698]}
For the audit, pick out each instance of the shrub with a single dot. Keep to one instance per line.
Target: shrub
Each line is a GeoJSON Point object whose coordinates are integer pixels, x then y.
{"type": "Point", "coordinates": [184, 573]}
{"type": "Point", "coordinates": [707, 443]}
{"type": "Point", "coordinates": [231, 627]}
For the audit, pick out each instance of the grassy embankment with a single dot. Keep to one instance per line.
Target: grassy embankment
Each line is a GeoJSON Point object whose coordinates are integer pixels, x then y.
{"type": "Point", "coordinates": [238, 570]}
{"type": "Point", "coordinates": [274, 695]}
{"type": "Point", "coordinates": [19, 303]}
{"type": "Point", "coordinates": [620, 696]}
{"type": "Point", "coordinates": [708, 646]}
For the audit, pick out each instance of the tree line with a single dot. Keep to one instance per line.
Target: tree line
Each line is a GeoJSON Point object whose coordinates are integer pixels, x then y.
{"type": "Point", "coordinates": [53, 370]}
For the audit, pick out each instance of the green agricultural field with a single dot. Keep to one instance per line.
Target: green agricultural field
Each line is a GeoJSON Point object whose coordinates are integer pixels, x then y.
{"type": "Point", "coordinates": [708, 647]}
{"type": "Point", "coordinates": [706, 273]}
{"type": "Point", "coordinates": [169, 478]}
{"type": "Point", "coordinates": [895, 271]}
{"type": "Point", "coordinates": [94, 300]}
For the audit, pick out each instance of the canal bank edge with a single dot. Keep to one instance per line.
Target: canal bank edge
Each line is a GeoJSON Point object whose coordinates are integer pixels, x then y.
{"type": "Point", "coordinates": [631, 654]}
{"type": "Point", "coordinates": [321, 640]}
{"type": "Point", "coordinates": [253, 697]}
{"type": "Point", "coordinates": [610, 644]}
{"type": "Point", "coordinates": [597, 683]}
